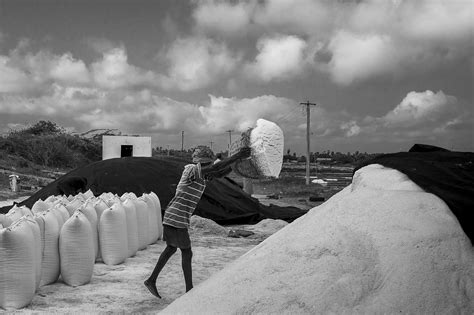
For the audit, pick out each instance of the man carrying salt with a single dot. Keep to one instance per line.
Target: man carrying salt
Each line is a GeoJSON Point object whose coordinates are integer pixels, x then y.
{"type": "Point", "coordinates": [177, 215]}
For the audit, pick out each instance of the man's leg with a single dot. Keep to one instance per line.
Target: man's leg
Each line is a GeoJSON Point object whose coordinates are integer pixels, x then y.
{"type": "Point", "coordinates": [186, 257]}
{"type": "Point", "coordinates": [150, 283]}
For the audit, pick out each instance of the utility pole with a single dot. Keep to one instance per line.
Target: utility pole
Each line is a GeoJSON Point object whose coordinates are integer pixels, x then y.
{"type": "Point", "coordinates": [307, 104]}
{"type": "Point", "coordinates": [230, 137]}
{"type": "Point", "coordinates": [182, 141]}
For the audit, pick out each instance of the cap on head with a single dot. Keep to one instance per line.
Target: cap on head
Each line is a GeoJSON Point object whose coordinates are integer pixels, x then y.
{"type": "Point", "coordinates": [203, 154]}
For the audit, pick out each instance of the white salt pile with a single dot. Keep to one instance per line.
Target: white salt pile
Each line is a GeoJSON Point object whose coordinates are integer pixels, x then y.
{"type": "Point", "coordinates": [382, 245]}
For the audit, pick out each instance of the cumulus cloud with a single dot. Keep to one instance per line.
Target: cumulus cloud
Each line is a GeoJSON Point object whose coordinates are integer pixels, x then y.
{"type": "Point", "coordinates": [197, 62]}
{"type": "Point", "coordinates": [363, 39]}
{"type": "Point", "coordinates": [67, 69]}
{"type": "Point", "coordinates": [419, 115]}
{"type": "Point", "coordinates": [279, 58]}
{"type": "Point", "coordinates": [217, 17]}
{"type": "Point", "coordinates": [422, 108]}
{"type": "Point", "coordinates": [231, 113]}
{"type": "Point", "coordinates": [12, 79]}
{"type": "Point", "coordinates": [113, 71]}
{"type": "Point", "coordinates": [360, 57]}
{"type": "Point", "coordinates": [25, 72]}
{"type": "Point", "coordinates": [304, 17]}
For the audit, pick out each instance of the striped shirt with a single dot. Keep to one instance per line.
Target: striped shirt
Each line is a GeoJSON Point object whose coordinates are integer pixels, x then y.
{"type": "Point", "coordinates": [188, 193]}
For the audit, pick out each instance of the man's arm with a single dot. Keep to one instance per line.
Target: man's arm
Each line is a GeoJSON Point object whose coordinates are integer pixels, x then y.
{"type": "Point", "coordinates": [215, 170]}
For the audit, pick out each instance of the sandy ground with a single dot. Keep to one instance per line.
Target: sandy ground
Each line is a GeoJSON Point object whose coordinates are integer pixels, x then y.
{"type": "Point", "coordinates": [119, 288]}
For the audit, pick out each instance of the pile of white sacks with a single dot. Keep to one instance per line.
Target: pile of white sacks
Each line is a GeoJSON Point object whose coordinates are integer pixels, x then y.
{"type": "Point", "coordinates": [64, 237]}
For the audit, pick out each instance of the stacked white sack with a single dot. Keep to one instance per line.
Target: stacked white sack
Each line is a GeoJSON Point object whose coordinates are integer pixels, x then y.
{"type": "Point", "coordinates": [89, 211]}
{"type": "Point", "coordinates": [76, 250]}
{"type": "Point", "coordinates": [74, 204]}
{"type": "Point", "coordinates": [18, 265]}
{"type": "Point", "coordinates": [142, 222]}
{"type": "Point", "coordinates": [113, 235]}
{"type": "Point", "coordinates": [159, 219]}
{"type": "Point", "coordinates": [371, 248]}
{"type": "Point", "coordinates": [37, 246]}
{"type": "Point", "coordinates": [50, 265]}
{"type": "Point", "coordinates": [153, 231]}
{"type": "Point", "coordinates": [132, 226]}
{"type": "Point", "coordinates": [100, 206]}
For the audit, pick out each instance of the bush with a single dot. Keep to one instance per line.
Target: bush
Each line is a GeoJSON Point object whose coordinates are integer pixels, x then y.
{"type": "Point", "coordinates": [47, 144]}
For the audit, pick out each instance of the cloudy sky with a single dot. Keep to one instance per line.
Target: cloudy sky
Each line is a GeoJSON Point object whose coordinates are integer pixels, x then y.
{"type": "Point", "coordinates": [385, 74]}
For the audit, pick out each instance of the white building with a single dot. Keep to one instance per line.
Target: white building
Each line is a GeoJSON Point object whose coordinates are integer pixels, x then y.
{"type": "Point", "coordinates": [123, 146]}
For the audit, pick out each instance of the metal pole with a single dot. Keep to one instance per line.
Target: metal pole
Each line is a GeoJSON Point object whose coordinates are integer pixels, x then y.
{"type": "Point", "coordinates": [308, 113]}
{"type": "Point", "coordinates": [307, 143]}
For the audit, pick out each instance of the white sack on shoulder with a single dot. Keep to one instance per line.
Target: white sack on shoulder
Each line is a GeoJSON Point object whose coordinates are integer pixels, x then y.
{"type": "Point", "coordinates": [266, 142]}
{"type": "Point", "coordinates": [76, 250]}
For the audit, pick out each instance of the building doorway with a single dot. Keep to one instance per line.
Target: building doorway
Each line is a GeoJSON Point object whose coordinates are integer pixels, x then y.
{"type": "Point", "coordinates": [126, 150]}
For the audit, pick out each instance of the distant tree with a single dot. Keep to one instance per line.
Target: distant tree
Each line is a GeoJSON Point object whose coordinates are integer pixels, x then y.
{"type": "Point", "coordinates": [43, 128]}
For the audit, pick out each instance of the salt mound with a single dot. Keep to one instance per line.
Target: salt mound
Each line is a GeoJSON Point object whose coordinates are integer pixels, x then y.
{"type": "Point", "coordinates": [365, 250]}
{"type": "Point", "coordinates": [269, 226]}
{"type": "Point", "coordinates": [206, 226]}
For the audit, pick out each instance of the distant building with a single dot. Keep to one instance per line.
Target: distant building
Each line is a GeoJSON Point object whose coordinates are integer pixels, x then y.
{"type": "Point", "coordinates": [123, 146]}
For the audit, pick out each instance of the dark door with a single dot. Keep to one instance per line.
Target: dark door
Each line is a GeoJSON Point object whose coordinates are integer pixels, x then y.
{"type": "Point", "coordinates": [126, 150]}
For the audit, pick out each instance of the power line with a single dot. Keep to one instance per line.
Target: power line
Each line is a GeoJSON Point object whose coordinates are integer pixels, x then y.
{"type": "Point", "coordinates": [308, 105]}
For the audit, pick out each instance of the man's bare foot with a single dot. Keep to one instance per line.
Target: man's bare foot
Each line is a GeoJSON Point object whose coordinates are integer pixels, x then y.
{"type": "Point", "coordinates": [152, 288]}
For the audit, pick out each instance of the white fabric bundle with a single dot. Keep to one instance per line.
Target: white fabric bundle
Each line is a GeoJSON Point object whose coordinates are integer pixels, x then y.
{"type": "Point", "coordinates": [152, 220]}
{"type": "Point", "coordinates": [142, 223]}
{"type": "Point", "coordinates": [100, 205]}
{"type": "Point", "coordinates": [61, 213]}
{"type": "Point", "coordinates": [51, 199]}
{"type": "Point", "coordinates": [132, 226]}
{"type": "Point", "coordinates": [113, 235]}
{"type": "Point", "coordinates": [15, 213]}
{"type": "Point", "coordinates": [40, 206]}
{"type": "Point", "coordinates": [266, 143]}
{"type": "Point", "coordinates": [38, 217]}
{"type": "Point", "coordinates": [74, 204]}
{"type": "Point", "coordinates": [17, 261]}
{"type": "Point", "coordinates": [89, 211]}
{"type": "Point", "coordinates": [50, 262]}
{"type": "Point", "coordinates": [88, 194]}
{"type": "Point", "coordinates": [37, 246]}
{"type": "Point", "coordinates": [76, 250]}
{"type": "Point", "coordinates": [158, 214]}
{"type": "Point", "coordinates": [5, 220]}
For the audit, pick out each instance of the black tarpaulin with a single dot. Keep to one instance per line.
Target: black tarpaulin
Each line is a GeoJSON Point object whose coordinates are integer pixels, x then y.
{"type": "Point", "coordinates": [223, 201]}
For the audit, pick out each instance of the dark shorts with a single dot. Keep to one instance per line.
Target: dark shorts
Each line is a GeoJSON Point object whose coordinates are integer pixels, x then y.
{"type": "Point", "coordinates": [176, 237]}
